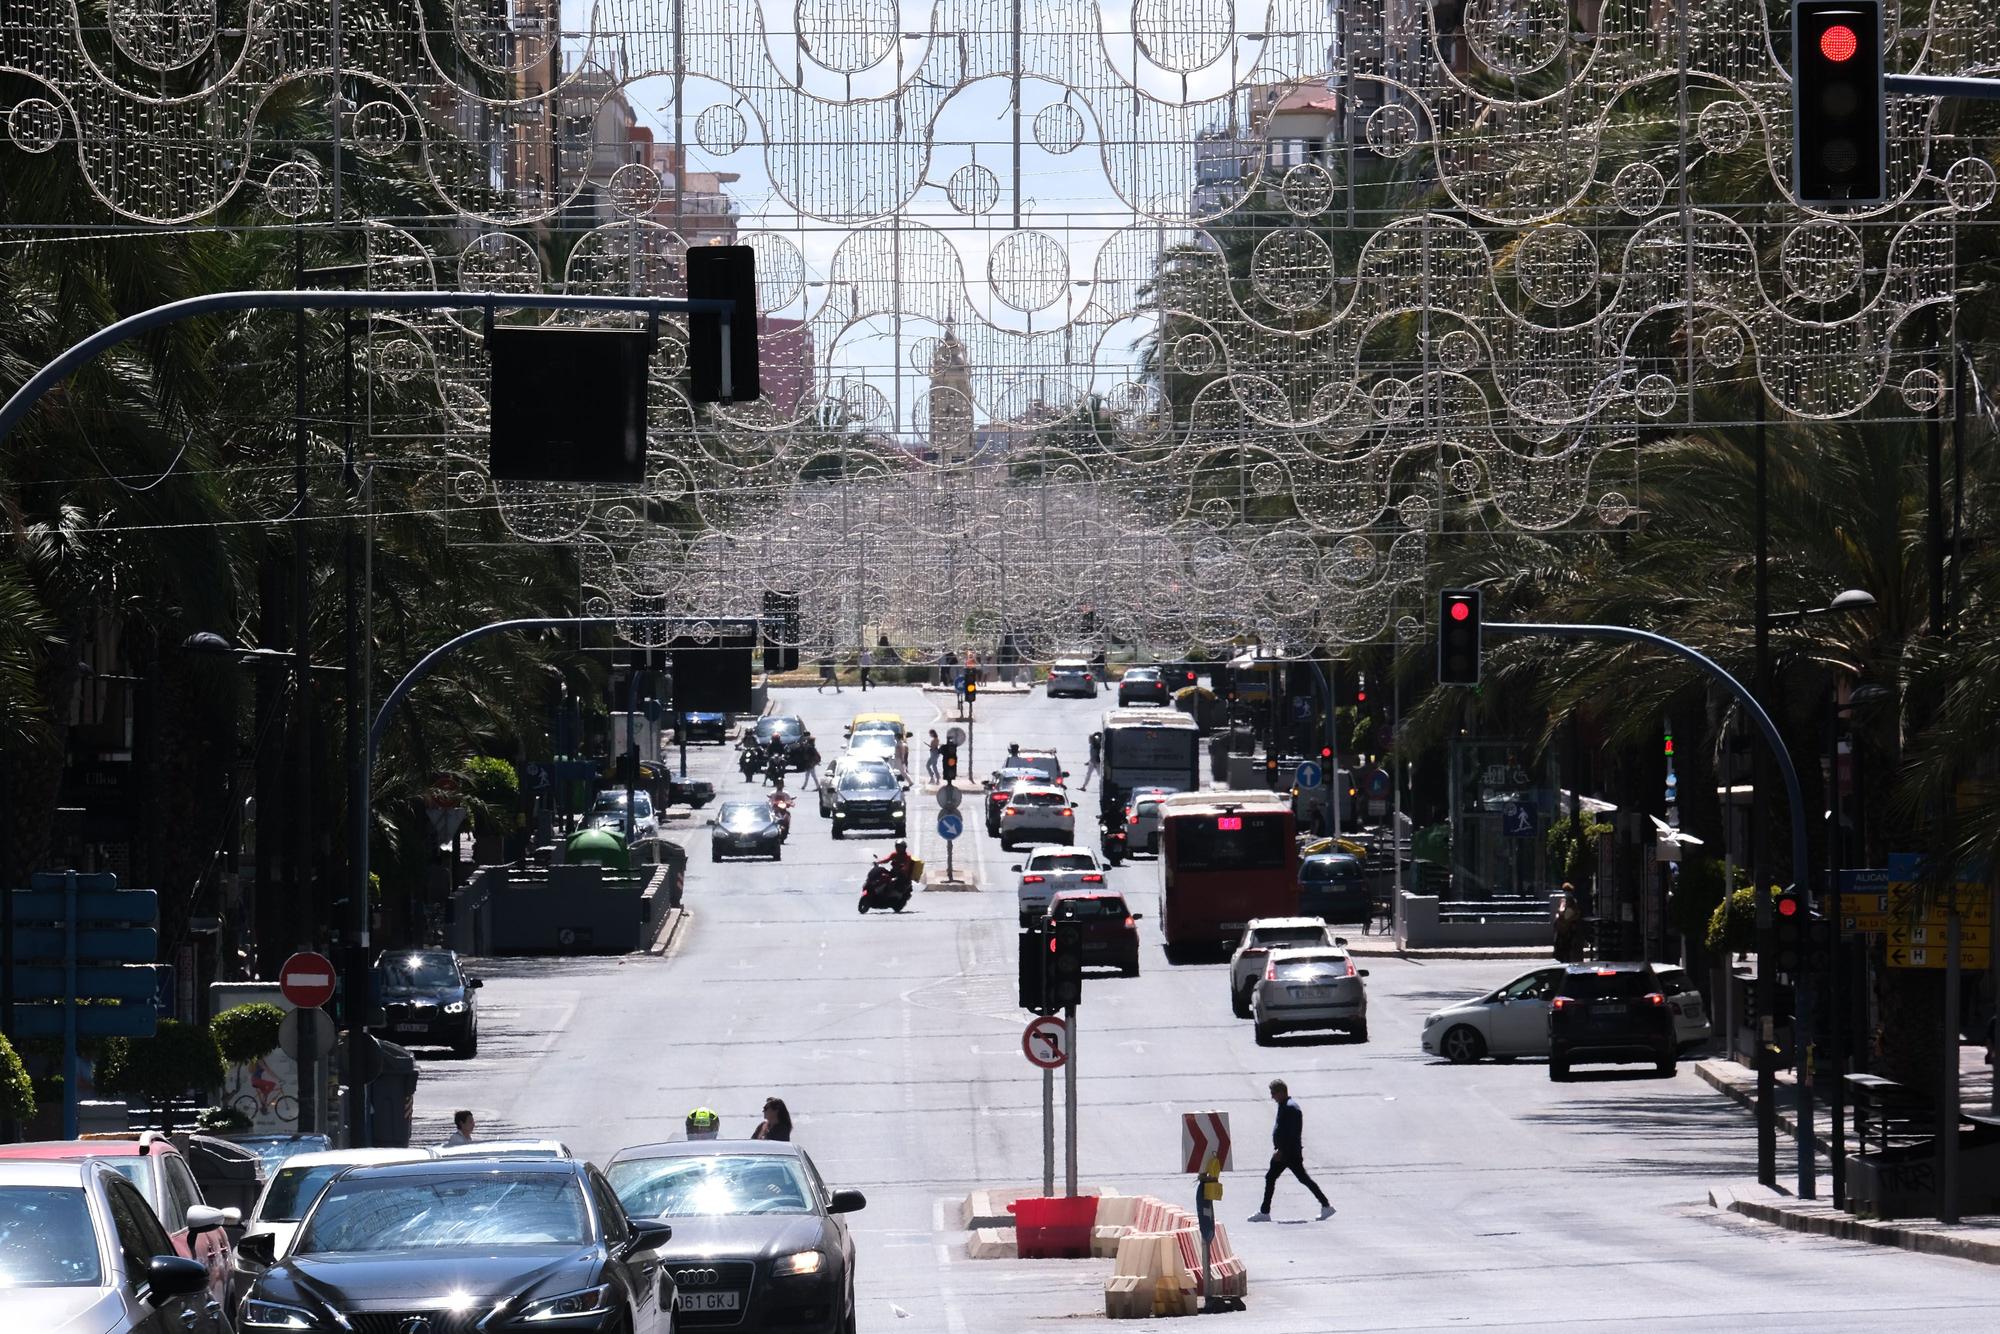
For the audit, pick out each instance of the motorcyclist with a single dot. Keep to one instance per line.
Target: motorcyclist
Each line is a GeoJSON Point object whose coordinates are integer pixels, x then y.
{"type": "Point", "coordinates": [902, 870]}
{"type": "Point", "coordinates": [703, 1124]}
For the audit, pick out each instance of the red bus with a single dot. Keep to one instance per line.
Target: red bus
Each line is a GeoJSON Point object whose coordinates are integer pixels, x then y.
{"type": "Point", "coordinates": [1229, 856]}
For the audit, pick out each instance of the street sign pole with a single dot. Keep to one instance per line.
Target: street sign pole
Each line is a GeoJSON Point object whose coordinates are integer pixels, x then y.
{"type": "Point", "coordinates": [1048, 1132]}
{"type": "Point", "coordinates": [1948, 1122]}
{"type": "Point", "coordinates": [71, 1073]}
{"type": "Point", "coordinates": [1069, 1106]}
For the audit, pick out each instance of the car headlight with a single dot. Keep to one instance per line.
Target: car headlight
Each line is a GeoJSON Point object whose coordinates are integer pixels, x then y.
{"type": "Point", "coordinates": [570, 1305]}
{"type": "Point", "coordinates": [897, 811]}
{"type": "Point", "coordinates": [800, 1262]}
{"type": "Point", "coordinates": [454, 1007]}
{"type": "Point", "coordinates": [272, 1315]}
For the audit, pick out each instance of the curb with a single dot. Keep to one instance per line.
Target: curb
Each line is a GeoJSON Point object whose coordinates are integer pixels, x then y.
{"type": "Point", "coordinates": [1747, 1099]}
{"type": "Point", "coordinates": [990, 1243]}
{"type": "Point", "coordinates": [951, 886]}
{"type": "Point", "coordinates": [669, 933]}
{"type": "Point", "coordinates": [1767, 1206]}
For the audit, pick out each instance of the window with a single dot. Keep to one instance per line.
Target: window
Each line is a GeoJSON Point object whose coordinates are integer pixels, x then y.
{"type": "Point", "coordinates": [1038, 799]}
{"type": "Point", "coordinates": [46, 1238]}
{"type": "Point", "coordinates": [1261, 844]}
{"type": "Point", "coordinates": [711, 1185]}
{"type": "Point", "coordinates": [395, 1213]}
{"type": "Point", "coordinates": [1271, 936]}
{"type": "Point", "coordinates": [1062, 861]}
{"type": "Point", "coordinates": [1608, 985]}
{"type": "Point", "coordinates": [139, 1234]}
{"type": "Point", "coordinates": [293, 1191]}
{"type": "Point", "coordinates": [1091, 909]}
{"type": "Point", "coordinates": [418, 970]}
{"type": "Point", "coordinates": [1150, 748]}
{"type": "Point", "coordinates": [616, 1229]}
{"type": "Point", "coordinates": [1535, 986]}
{"type": "Point", "coordinates": [1317, 970]}
{"type": "Point", "coordinates": [182, 1193]}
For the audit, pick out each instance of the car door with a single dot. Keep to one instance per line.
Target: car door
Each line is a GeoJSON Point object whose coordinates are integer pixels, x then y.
{"type": "Point", "coordinates": [642, 1271]}
{"type": "Point", "coordinates": [211, 1245]}
{"type": "Point", "coordinates": [1518, 1017]}
{"type": "Point", "coordinates": [140, 1239]}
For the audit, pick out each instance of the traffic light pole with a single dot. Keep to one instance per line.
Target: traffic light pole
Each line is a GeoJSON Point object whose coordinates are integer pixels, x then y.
{"type": "Point", "coordinates": [1806, 1168]}
{"type": "Point", "coordinates": [1069, 1105]}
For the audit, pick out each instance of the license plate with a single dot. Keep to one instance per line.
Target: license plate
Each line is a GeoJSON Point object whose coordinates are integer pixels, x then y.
{"type": "Point", "coordinates": [710, 1301]}
{"type": "Point", "coordinates": [1692, 1010]}
{"type": "Point", "coordinates": [411, 1028]}
{"type": "Point", "coordinates": [1311, 993]}
{"type": "Point", "coordinates": [1608, 1009]}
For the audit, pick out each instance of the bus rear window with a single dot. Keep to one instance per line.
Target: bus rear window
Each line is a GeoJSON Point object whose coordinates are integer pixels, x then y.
{"type": "Point", "coordinates": [1258, 843]}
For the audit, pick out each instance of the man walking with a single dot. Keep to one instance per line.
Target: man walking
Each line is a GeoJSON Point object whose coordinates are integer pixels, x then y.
{"type": "Point", "coordinates": [462, 1127]}
{"type": "Point", "coordinates": [1096, 760]}
{"type": "Point", "coordinates": [867, 665]}
{"type": "Point", "coordinates": [1288, 1153]}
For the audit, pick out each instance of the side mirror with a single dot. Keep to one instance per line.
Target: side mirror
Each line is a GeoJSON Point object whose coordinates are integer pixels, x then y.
{"type": "Point", "coordinates": [1015, 867]}
{"type": "Point", "coordinates": [1361, 972]}
{"type": "Point", "coordinates": [259, 1247]}
{"type": "Point", "coordinates": [206, 1218]}
{"type": "Point", "coordinates": [1136, 916]}
{"type": "Point", "coordinates": [474, 983]}
{"type": "Point", "coordinates": [1340, 941]}
{"type": "Point", "coordinates": [847, 1202]}
{"type": "Point", "coordinates": [648, 1234]}
{"type": "Point", "coordinates": [172, 1276]}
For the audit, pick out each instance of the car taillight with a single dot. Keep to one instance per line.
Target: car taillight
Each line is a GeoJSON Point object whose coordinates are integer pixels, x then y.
{"type": "Point", "coordinates": [1093, 878]}
{"type": "Point", "coordinates": [1558, 1002]}
{"type": "Point", "coordinates": [1067, 811]}
{"type": "Point", "coordinates": [1033, 879]}
{"type": "Point", "coordinates": [1350, 968]}
{"type": "Point", "coordinates": [1009, 811]}
{"type": "Point", "coordinates": [1654, 998]}
{"type": "Point", "coordinates": [1129, 924]}
{"type": "Point", "coordinates": [1271, 973]}
{"type": "Point", "coordinates": [1133, 820]}
{"type": "Point", "coordinates": [1607, 972]}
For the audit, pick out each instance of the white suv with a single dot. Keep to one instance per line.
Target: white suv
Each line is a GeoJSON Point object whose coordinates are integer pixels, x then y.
{"type": "Point", "coordinates": [1037, 813]}
{"type": "Point", "coordinates": [1246, 966]}
{"type": "Point", "coordinates": [1051, 868]}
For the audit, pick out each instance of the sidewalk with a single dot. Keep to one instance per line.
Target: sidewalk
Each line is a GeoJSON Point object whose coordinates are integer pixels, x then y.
{"type": "Point", "coordinates": [1381, 946]}
{"type": "Point", "coordinates": [1973, 1238]}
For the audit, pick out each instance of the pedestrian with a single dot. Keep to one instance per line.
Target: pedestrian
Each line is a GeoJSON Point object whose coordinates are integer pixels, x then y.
{"type": "Point", "coordinates": [933, 754]}
{"type": "Point", "coordinates": [826, 674]}
{"type": "Point", "coordinates": [945, 662]}
{"type": "Point", "coordinates": [1288, 1153]}
{"type": "Point", "coordinates": [703, 1124]}
{"type": "Point", "coordinates": [777, 1122]}
{"type": "Point", "coordinates": [867, 664]}
{"type": "Point", "coordinates": [462, 1133]}
{"type": "Point", "coordinates": [1096, 759]}
{"type": "Point", "coordinates": [1569, 919]}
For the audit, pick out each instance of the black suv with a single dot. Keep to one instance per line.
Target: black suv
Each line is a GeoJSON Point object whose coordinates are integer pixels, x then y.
{"type": "Point", "coordinates": [1616, 1013]}
{"type": "Point", "coordinates": [428, 1000]}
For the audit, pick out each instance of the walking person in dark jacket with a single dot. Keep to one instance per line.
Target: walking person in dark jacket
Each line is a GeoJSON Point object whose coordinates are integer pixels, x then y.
{"type": "Point", "coordinates": [1288, 1153]}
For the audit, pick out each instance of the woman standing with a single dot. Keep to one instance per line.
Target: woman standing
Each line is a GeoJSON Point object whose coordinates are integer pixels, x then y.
{"type": "Point", "coordinates": [777, 1122]}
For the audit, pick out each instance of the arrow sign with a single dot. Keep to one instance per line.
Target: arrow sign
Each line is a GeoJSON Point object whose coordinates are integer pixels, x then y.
{"type": "Point", "coordinates": [950, 825]}
{"type": "Point", "coordinates": [1307, 774]}
{"type": "Point", "coordinates": [1204, 1135]}
{"type": "Point", "coordinates": [1933, 935]}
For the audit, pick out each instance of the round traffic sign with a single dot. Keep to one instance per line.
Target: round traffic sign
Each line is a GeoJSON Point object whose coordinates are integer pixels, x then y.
{"type": "Point", "coordinates": [956, 736]}
{"type": "Point", "coordinates": [1046, 1041]}
{"type": "Point", "coordinates": [948, 797]}
{"type": "Point", "coordinates": [1378, 783]}
{"type": "Point", "coordinates": [1308, 774]}
{"type": "Point", "coordinates": [306, 1030]}
{"type": "Point", "coordinates": [950, 825]}
{"type": "Point", "coordinates": [306, 980]}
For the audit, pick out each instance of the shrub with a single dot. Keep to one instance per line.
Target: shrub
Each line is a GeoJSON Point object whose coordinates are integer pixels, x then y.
{"type": "Point", "coordinates": [17, 1091]}
{"type": "Point", "coordinates": [493, 781]}
{"type": "Point", "coordinates": [243, 1033]}
{"type": "Point", "coordinates": [1571, 858]}
{"type": "Point", "coordinates": [1732, 927]}
{"type": "Point", "coordinates": [222, 1121]}
{"type": "Point", "coordinates": [177, 1059]}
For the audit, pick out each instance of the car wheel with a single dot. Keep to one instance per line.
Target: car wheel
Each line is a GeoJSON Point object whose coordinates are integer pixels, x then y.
{"type": "Point", "coordinates": [1129, 970]}
{"type": "Point", "coordinates": [1359, 1032]}
{"type": "Point", "coordinates": [1558, 1069]}
{"type": "Point", "coordinates": [778, 853]}
{"type": "Point", "coordinates": [468, 1047]}
{"type": "Point", "coordinates": [1239, 1001]}
{"type": "Point", "coordinates": [1263, 1036]}
{"type": "Point", "coordinates": [1006, 843]}
{"type": "Point", "coordinates": [1462, 1044]}
{"type": "Point", "coordinates": [902, 831]}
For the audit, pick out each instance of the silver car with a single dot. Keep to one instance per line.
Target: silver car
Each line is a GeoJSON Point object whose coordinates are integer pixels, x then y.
{"type": "Point", "coordinates": [1145, 819]}
{"type": "Point", "coordinates": [1310, 988]}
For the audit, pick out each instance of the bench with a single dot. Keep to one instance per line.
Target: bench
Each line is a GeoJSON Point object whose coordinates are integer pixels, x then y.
{"type": "Point", "coordinates": [1896, 1113]}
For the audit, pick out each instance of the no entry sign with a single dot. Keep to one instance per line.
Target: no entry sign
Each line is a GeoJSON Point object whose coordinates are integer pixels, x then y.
{"type": "Point", "coordinates": [307, 980]}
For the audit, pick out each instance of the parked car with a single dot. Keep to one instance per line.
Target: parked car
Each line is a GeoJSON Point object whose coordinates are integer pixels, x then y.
{"type": "Point", "coordinates": [1071, 678]}
{"type": "Point", "coordinates": [428, 1000]}
{"type": "Point", "coordinates": [607, 811]}
{"type": "Point", "coordinates": [1504, 1023]}
{"type": "Point", "coordinates": [1143, 685]}
{"type": "Point", "coordinates": [868, 795]}
{"type": "Point", "coordinates": [705, 726]}
{"type": "Point", "coordinates": [406, 1247]}
{"type": "Point", "coordinates": [151, 1163]}
{"type": "Point", "coordinates": [286, 1198]}
{"type": "Point", "coordinates": [1048, 871]}
{"type": "Point", "coordinates": [1260, 937]}
{"type": "Point", "coordinates": [1036, 813]}
{"type": "Point", "coordinates": [80, 1249]}
{"type": "Point", "coordinates": [275, 1150]}
{"type": "Point", "coordinates": [746, 829]}
{"type": "Point", "coordinates": [759, 1241]}
{"type": "Point", "coordinates": [800, 749]}
{"type": "Point", "coordinates": [1691, 1023]}
{"type": "Point", "coordinates": [1610, 1013]}
{"type": "Point", "coordinates": [1315, 987]}
{"type": "Point", "coordinates": [1333, 887]}
{"type": "Point", "coordinates": [1145, 819]}
{"type": "Point", "coordinates": [694, 793]}
{"type": "Point", "coordinates": [1110, 928]}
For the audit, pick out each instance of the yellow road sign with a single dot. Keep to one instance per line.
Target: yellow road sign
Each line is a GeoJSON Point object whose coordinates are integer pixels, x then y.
{"type": "Point", "coordinates": [1864, 921]}
{"type": "Point", "coordinates": [1933, 956]}
{"type": "Point", "coordinates": [1935, 937]}
{"type": "Point", "coordinates": [1972, 911]}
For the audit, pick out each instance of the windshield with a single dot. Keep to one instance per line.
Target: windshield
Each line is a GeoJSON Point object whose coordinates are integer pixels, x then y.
{"type": "Point", "coordinates": [134, 1171]}
{"type": "Point", "coordinates": [46, 1238]}
{"type": "Point", "coordinates": [274, 1151]}
{"type": "Point", "coordinates": [1062, 861]}
{"type": "Point", "coordinates": [788, 728]}
{"type": "Point", "coordinates": [1094, 907]}
{"type": "Point", "coordinates": [1317, 869]}
{"type": "Point", "coordinates": [1037, 799]}
{"type": "Point", "coordinates": [1251, 843]}
{"type": "Point", "coordinates": [293, 1190]}
{"type": "Point", "coordinates": [1608, 985]}
{"type": "Point", "coordinates": [742, 814]}
{"type": "Point", "coordinates": [870, 780]}
{"type": "Point", "coordinates": [437, 1212]}
{"type": "Point", "coordinates": [1142, 674]}
{"type": "Point", "coordinates": [1319, 968]}
{"type": "Point", "coordinates": [872, 743]}
{"type": "Point", "coordinates": [725, 1184]}
{"type": "Point", "coordinates": [418, 970]}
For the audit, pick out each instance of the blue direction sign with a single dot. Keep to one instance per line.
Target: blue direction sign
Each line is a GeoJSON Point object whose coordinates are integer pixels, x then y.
{"type": "Point", "coordinates": [1308, 774]}
{"type": "Point", "coordinates": [76, 931]}
{"type": "Point", "coordinates": [1517, 820]}
{"type": "Point", "coordinates": [950, 825]}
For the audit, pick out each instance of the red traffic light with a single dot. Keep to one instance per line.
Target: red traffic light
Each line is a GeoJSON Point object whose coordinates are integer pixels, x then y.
{"type": "Point", "coordinates": [1788, 906]}
{"type": "Point", "coordinates": [1326, 752]}
{"type": "Point", "coordinates": [1839, 43]}
{"type": "Point", "coordinates": [1460, 610]}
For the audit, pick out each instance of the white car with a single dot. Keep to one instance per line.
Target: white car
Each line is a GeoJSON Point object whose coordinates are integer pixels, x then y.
{"type": "Point", "coordinates": [878, 744]}
{"type": "Point", "coordinates": [1037, 813]}
{"type": "Point", "coordinates": [1504, 1023]}
{"type": "Point", "coordinates": [288, 1196]}
{"type": "Point", "coordinates": [1052, 868]}
{"type": "Point", "coordinates": [1145, 819]}
{"type": "Point", "coordinates": [608, 812]}
{"type": "Point", "coordinates": [1691, 1025]}
{"type": "Point", "coordinates": [1310, 988]}
{"type": "Point", "coordinates": [1246, 965]}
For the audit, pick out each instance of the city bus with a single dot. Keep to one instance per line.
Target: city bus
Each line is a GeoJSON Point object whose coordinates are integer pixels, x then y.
{"type": "Point", "coordinates": [1144, 748]}
{"type": "Point", "coordinates": [1228, 856]}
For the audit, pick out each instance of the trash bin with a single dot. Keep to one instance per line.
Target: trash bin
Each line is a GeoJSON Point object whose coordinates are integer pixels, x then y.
{"type": "Point", "coordinates": [1053, 1228]}
{"type": "Point", "coordinates": [391, 1096]}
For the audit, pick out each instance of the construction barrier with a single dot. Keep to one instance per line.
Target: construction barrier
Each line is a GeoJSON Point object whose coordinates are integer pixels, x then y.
{"type": "Point", "coordinates": [1158, 1261]}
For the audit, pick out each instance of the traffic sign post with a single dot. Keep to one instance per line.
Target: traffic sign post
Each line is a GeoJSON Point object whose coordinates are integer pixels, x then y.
{"type": "Point", "coordinates": [1046, 1043]}
{"type": "Point", "coordinates": [69, 962]}
{"type": "Point", "coordinates": [950, 825]}
{"type": "Point", "coordinates": [306, 980]}
{"type": "Point", "coordinates": [1205, 1148]}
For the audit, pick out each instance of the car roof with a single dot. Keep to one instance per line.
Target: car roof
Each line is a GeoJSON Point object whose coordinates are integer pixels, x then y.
{"type": "Point", "coordinates": [148, 1145]}
{"type": "Point", "coordinates": [1309, 952]}
{"type": "Point", "coordinates": [456, 1165]}
{"type": "Point", "coordinates": [1577, 969]}
{"type": "Point", "coordinates": [1262, 923]}
{"type": "Point", "coordinates": [1028, 785]}
{"type": "Point", "coordinates": [356, 1158]}
{"type": "Point", "coordinates": [1331, 857]}
{"type": "Point", "coordinates": [1069, 664]}
{"type": "Point", "coordinates": [877, 716]}
{"type": "Point", "coordinates": [1034, 848]}
{"type": "Point", "coordinates": [703, 1148]}
{"type": "Point", "coordinates": [42, 1172]}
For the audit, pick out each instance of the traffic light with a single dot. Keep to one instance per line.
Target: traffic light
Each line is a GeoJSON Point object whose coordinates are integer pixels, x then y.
{"type": "Point", "coordinates": [948, 759]}
{"type": "Point", "coordinates": [1840, 139]}
{"type": "Point", "coordinates": [1820, 944]}
{"type": "Point", "coordinates": [1065, 976]}
{"type": "Point", "coordinates": [1034, 968]}
{"type": "Point", "coordinates": [1271, 772]}
{"type": "Point", "coordinates": [1789, 921]}
{"type": "Point", "coordinates": [1458, 637]}
{"type": "Point", "coordinates": [722, 273]}
{"type": "Point", "coordinates": [1360, 689]}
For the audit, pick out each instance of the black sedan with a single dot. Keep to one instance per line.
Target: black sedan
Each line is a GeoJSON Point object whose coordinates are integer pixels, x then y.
{"type": "Point", "coordinates": [1143, 685]}
{"type": "Point", "coordinates": [428, 1000]}
{"type": "Point", "coordinates": [758, 1239]}
{"type": "Point", "coordinates": [447, 1247]}
{"type": "Point", "coordinates": [746, 829]}
{"type": "Point", "coordinates": [790, 732]}
{"type": "Point", "coordinates": [706, 727]}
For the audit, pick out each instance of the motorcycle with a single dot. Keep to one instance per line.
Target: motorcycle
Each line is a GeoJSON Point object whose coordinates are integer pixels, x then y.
{"type": "Point", "coordinates": [750, 760]}
{"type": "Point", "coordinates": [884, 889]}
{"type": "Point", "coordinates": [778, 767]}
{"type": "Point", "coordinates": [781, 802]}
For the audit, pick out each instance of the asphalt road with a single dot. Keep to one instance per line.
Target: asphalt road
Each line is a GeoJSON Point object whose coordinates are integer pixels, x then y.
{"type": "Point", "coordinates": [1476, 1197]}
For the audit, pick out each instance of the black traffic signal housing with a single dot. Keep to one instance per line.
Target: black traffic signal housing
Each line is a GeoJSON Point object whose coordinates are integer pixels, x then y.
{"type": "Point", "coordinates": [1790, 919]}
{"type": "Point", "coordinates": [1840, 123]}
{"type": "Point", "coordinates": [948, 759]}
{"type": "Point", "coordinates": [1821, 938]}
{"type": "Point", "coordinates": [1458, 636]}
{"type": "Point", "coordinates": [971, 691]}
{"type": "Point", "coordinates": [1065, 954]}
{"type": "Point", "coordinates": [1035, 969]}
{"type": "Point", "coordinates": [722, 273]}
{"type": "Point", "coordinates": [1271, 772]}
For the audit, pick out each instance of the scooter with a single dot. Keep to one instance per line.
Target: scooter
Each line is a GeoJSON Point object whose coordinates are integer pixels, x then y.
{"type": "Point", "coordinates": [751, 761]}
{"type": "Point", "coordinates": [781, 802]}
{"type": "Point", "coordinates": [884, 889]}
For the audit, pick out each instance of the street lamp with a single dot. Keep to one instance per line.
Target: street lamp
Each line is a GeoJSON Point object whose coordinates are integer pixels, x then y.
{"type": "Point", "coordinates": [1847, 600]}
{"type": "Point", "coordinates": [211, 644]}
{"type": "Point", "coordinates": [1860, 698]}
